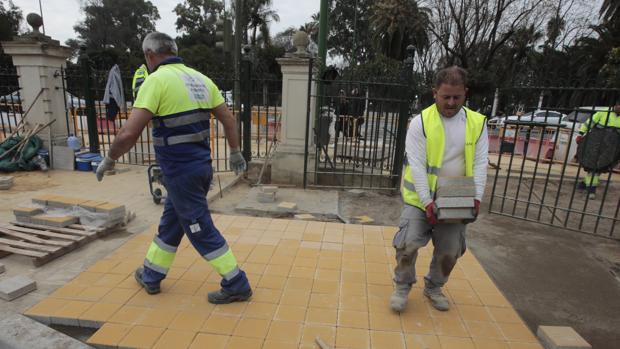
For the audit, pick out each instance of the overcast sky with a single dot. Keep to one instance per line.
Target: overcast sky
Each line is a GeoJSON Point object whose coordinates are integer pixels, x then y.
{"type": "Point", "coordinates": [61, 15]}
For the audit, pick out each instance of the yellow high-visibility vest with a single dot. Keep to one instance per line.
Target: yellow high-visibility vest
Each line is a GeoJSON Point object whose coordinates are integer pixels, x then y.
{"type": "Point", "coordinates": [435, 144]}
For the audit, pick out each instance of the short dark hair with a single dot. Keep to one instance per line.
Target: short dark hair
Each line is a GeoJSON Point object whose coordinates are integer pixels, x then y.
{"type": "Point", "coordinates": [453, 75]}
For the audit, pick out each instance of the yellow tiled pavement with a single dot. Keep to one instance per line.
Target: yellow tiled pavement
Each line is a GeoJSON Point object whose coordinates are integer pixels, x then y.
{"type": "Point", "coordinates": [309, 278]}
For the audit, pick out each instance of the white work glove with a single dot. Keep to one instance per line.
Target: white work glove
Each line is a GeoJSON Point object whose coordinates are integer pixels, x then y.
{"type": "Point", "coordinates": [237, 162]}
{"type": "Point", "coordinates": [106, 165]}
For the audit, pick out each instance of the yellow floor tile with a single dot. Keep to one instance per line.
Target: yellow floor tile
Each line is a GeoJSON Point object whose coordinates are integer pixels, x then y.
{"type": "Point", "coordinates": [244, 343]}
{"type": "Point", "coordinates": [517, 332]}
{"type": "Point", "coordinates": [260, 310]}
{"type": "Point", "coordinates": [295, 297]}
{"type": "Point", "coordinates": [322, 316]}
{"type": "Point", "coordinates": [109, 334]}
{"type": "Point", "coordinates": [254, 328]}
{"type": "Point", "coordinates": [385, 321]}
{"type": "Point", "coordinates": [128, 315]}
{"type": "Point", "coordinates": [220, 324]}
{"type": "Point", "coordinates": [421, 341]}
{"type": "Point", "coordinates": [391, 340]}
{"type": "Point", "coordinates": [353, 319]}
{"type": "Point", "coordinates": [211, 341]}
{"type": "Point", "coordinates": [284, 331]}
{"type": "Point", "coordinates": [456, 343]}
{"type": "Point", "coordinates": [156, 317]}
{"type": "Point", "coordinates": [266, 295]}
{"type": "Point", "coordinates": [100, 312]}
{"type": "Point", "coordinates": [189, 320]}
{"type": "Point", "coordinates": [417, 324]}
{"type": "Point", "coordinates": [352, 338]}
{"type": "Point", "coordinates": [482, 343]}
{"type": "Point", "coordinates": [310, 332]}
{"type": "Point", "coordinates": [175, 339]}
{"type": "Point", "coordinates": [474, 313]}
{"type": "Point", "coordinates": [141, 337]}
{"type": "Point", "coordinates": [290, 313]}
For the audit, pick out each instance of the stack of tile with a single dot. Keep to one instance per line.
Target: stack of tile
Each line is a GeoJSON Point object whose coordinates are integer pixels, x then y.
{"type": "Point", "coordinates": [267, 194]}
{"type": "Point", "coordinates": [108, 214]}
{"type": "Point", "coordinates": [455, 199]}
{"type": "Point", "coordinates": [6, 182]}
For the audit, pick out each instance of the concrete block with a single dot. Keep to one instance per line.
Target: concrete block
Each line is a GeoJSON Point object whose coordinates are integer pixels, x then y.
{"type": "Point", "coordinates": [54, 221]}
{"type": "Point", "coordinates": [43, 199]}
{"type": "Point", "coordinates": [287, 206]}
{"type": "Point", "coordinates": [455, 181]}
{"type": "Point", "coordinates": [456, 191]}
{"type": "Point", "coordinates": [113, 210]}
{"type": "Point", "coordinates": [561, 337]}
{"type": "Point", "coordinates": [27, 211]}
{"type": "Point", "coordinates": [23, 219]}
{"type": "Point", "coordinates": [16, 286]}
{"type": "Point", "coordinates": [91, 205]}
{"type": "Point", "coordinates": [64, 158]}
{"type": "Point", "coordinates": [2, 268]}
{"type": "Point", "coordinates": [269, 189]}
{"type": "Point", "coordinates": [266, 197]}
{"type": "Point", "coordinates": [454, 215]}
{"type": "Point", "coordinates": [6, 182]}
{"type": "Point", "coordinates": [454, 202]}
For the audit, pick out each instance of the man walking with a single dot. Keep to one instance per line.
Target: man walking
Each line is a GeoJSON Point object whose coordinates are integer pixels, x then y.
{"type": "Point", "coordinates": [601, 119]}
{"type": "Point", "coordinates": [445, 140]}
{"type": "Point", "coordinates": [179, 101]}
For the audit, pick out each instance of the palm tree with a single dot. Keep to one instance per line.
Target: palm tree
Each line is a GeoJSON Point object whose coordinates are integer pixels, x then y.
{"type": "Point", "coordinates": [609, 9]}
{"type": "Point", "coordinates": [399, 23]}
{"type": "Point", "coordinates": [259, 15]}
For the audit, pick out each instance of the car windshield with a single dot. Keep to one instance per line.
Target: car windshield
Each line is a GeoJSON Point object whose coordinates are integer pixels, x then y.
{"type": "Point", "coordinates": [579, 116]}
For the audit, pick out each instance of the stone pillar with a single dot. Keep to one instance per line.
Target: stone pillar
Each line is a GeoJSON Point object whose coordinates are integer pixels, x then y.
{"type": "Point", "coordinates": [38, 60]}
{"type": "Point", "coordinates": [288, 161]}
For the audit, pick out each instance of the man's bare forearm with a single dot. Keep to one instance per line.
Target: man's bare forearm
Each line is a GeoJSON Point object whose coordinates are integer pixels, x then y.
{"type": "Point", "coordinates": [228, 120]}
{"type": "Point", "coordinates": [123, 142]}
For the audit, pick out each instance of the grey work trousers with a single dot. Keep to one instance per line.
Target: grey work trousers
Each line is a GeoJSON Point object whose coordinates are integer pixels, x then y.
{"type": "Point", "coordinates": [415, 232]}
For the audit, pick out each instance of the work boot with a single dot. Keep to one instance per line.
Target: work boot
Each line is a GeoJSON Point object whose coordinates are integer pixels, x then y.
{"type": "Point", "coordinates": [438, 299]}
{"type": "Point", "coordinates": [224, 297]}
{"type": "Point", "coordinates": [398, 301]}
{"type": "Point", "coordinates": [149, 288]}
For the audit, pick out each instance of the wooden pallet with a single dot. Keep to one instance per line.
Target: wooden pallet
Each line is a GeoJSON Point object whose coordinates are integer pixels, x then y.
{"type": "Point", "coordinates": [44, 243]}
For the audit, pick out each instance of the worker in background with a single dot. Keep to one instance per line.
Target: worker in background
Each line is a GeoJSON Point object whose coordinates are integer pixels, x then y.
{"type": "Point", "coordinates": [445, 140]}
{"type": "Point", "coordinates": [179, 101]}
{"type": "Point", "coordinates": [606, 118]}
{"type": "Point", "coordinates": [138, 78]}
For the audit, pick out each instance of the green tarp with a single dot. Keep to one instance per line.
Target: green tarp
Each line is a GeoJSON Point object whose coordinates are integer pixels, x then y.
{"type": "Point", "coordinates": [24, 161]}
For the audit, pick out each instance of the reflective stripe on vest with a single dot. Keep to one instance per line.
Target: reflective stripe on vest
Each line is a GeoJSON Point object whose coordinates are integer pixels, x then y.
{"type": "Point", "coordinates": [160, 256]}
{"type": "Point", "coordinates": [182, 120]}
{"type": "Point", "coordinates": [435, 143]}
{"type": "Point", "coordinates": [224, 262]}
{"type": "Point", "coordinates": [188, 138]}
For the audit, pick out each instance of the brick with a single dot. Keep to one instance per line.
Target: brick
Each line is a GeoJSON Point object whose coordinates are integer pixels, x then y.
{"type": "Point", "coordinates": [23, 219]}
{"type": "Point", "coordinates": [16, 286]}
{"type": "Point", "coordinates": [287, 206]}
{"type": "Point", "coordinates": [43, 199]}
{"type": "Point", "coordinates": [561, 337]}
{"type": "Point", "coordinates": [269, 189]}
{"type": "Point", "coordinates": [27, 211]}
{"type": "Point", "coordinates": [454, 202]}
{"type": "Point", "coordinates": [55, 221]}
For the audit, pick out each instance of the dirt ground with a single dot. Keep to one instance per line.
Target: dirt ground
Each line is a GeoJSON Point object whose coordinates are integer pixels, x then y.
{"type": "Point", "coordinates": [552, 276]}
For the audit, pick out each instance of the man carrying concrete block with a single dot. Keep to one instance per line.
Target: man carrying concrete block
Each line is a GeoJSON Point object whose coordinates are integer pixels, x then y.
{"type": "Point", "coordinates": [445, 140]}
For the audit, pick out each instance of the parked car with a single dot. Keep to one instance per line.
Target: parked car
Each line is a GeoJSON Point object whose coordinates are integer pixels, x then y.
{"type": "Point", "coordinates": [540, 116]}
{"type": "Point", "coordinates": [581, 115]}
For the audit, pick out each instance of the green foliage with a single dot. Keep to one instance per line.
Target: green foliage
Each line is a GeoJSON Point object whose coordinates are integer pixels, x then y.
{"type": "Point", "coordinates": [350, 32]}
{"type": "Point", "coordinates": [197, 18]}
{"type": "Point", "coordinates": [399, 23]}
{"type": "Point", "coordinates": [611, 70]}
{"type": "Point", "coordinates": [115, 29]}
{"type": "Point", "coordinates": [10, 18]}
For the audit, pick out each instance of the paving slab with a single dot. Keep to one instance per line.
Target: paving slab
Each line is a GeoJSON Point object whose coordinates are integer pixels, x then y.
{"type": "Point", "coordinates": [16, 286]}
{"type": "Point", "coordinates": [321, 204]}
{"type": "Point", "coordinates": [561, 337]}
{"type": "Point", "coordinates": [18, 332]}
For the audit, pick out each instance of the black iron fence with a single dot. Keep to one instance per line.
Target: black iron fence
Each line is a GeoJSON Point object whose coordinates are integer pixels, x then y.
{"type": "Point", "coordinates": [533, 146]}
{"type": "Point", "coordinates": [358, 132]}
{"type": "Point", "coordinates": [10, 102]}
{"type": "Point", "coordinates": [97, 123]}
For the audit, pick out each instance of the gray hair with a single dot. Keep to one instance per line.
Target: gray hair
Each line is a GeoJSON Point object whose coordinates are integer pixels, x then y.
{"type": "Point", "coordinates": [453, 75]}
{"type": "Point", "coordinates": [159, 43]}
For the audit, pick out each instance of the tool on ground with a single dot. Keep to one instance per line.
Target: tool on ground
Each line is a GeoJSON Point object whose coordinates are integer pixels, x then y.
{"type": "Point", "coordinates": [321, 344]}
